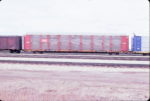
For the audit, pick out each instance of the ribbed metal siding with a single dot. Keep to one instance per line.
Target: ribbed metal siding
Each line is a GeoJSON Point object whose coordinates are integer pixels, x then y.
{"type": "Point", "coordinates": [106, 43]}
{"type": "Point", "coordinates": [124, 43]}
{"type": "Point", "coordinates": [35, 40]}
{"type": "Point", "coordinates": [27, 42]}
{"type": "Point", "coordinates": [64, 43]}
{"type": "Point", "coordinates": [53, 42]}
{"type": "Point", "coordinates": [76, 45]}
{"type": "Point", "coordinates": [98, 44]}
{"type": "Point", "coordinates": [44, 42]}
{"type": "Point", "coordinates": [86, 42]}
{"type": "Point", "coordinates": [136, 43]}
{"type": "Point", "coordinates": [116, 42]}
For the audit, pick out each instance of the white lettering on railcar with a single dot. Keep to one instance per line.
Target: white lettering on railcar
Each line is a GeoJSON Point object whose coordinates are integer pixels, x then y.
{"type": "Point", "coordinates": [44, 40]}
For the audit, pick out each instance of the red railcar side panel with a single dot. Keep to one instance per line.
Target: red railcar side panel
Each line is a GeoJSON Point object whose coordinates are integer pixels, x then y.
{"type": "Point", "coordinates": [81, 43]}
{"type": "Point", "coordinates": [58, 42]}
{"type": "Point", "coordinates": [111, 44]}
{"type": "Point", "coordinates": [70, 43]}
{"type": "Point", "coordinates": [124, 43]}
{"type": "Point", "coordinates": [27, 42]}
{"type": "Point", "coordinates": [103, 40]}
{"type": "Point", "coordinates": [92, 42]}
{"type": "Point", "coordinates": [41, 43]}
{"type": "Point", "coordinates": [48, 42]}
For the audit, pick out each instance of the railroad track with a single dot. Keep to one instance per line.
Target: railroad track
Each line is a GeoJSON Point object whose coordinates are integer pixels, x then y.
{"type": "Point", "coordinates": [77, 62]}
{"type": "Point", "coordinates": [71, 56]}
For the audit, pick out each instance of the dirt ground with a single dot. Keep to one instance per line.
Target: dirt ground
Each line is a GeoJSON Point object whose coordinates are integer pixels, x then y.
{"type": "Point", "coordinates": [28, 85]}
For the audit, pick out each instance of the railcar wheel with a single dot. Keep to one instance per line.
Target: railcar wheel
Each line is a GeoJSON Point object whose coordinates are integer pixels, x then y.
{"type": "Point", "coordinates": [110, 53]}
{"type": "Point", "coordinates": [34, 52]}
{"type": "Point", "coordinates": [17, 51]}
{"type": "Point", "coordinates": [11, 51]}
{"type": "Point", "coordinates": [117, 53]}
{"type": "Point", "coordinates": [144, 54]}
{"type": "Point", "coordinates": [41, 52]}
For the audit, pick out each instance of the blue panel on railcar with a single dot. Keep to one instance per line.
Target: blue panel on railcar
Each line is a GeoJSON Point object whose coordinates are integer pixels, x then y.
{"type": "Point", "coordinates": [136, 43]}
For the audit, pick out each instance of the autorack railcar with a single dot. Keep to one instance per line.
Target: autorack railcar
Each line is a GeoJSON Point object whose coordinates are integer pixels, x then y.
{"type": "Point", "coordinates": [76, 43]}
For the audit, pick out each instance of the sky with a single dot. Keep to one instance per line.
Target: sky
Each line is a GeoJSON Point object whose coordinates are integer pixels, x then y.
{"type": "Point", "coordinates": [18, 17]}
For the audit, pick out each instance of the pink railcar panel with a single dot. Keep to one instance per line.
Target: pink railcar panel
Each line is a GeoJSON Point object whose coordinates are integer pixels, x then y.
{"type": "Point", "coordinates": [27, 42]}
{"type": "Point", "coordinates": [124, 43]}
